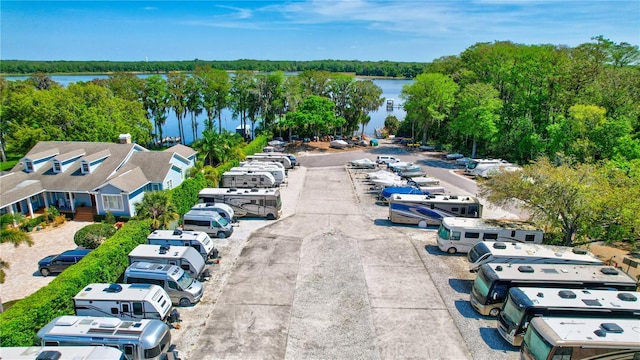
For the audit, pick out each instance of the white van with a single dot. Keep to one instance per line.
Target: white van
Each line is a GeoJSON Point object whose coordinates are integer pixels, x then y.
{"type": "Point", "coordinates": [222, 209]}
{"type": "Point", "coordinates": [186, 257]}
{"type": "Point", "coordinates": [124, 301]}
{"type": "Point", "coordinates": [181, 287]}
{"type": "Point", "coordinates": [386, 159]}
{"type": "Point", "coordinates": [208, 221]}
{"type": "Point", "coordinates": [198, 240]}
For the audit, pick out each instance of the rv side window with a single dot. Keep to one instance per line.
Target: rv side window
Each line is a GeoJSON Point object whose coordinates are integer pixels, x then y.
{"type": "Point", "coordinates": [455, 235]}
{"type": "Point", "coordinates": [128, 350]}
{"type": "Point", "coordinates": [433, 206]}
{"type": "Point", "coordinates": [173, 285]}
{"type": "Point", "coordinates": [114, 311]}
{"type": "Point", "coordinates": [513, 233]}
{"type": "Point", "coordinates": [137, 308]}
{"type": "Point", "coordinates": [455, 209]}
{"type": "Point", "coordinates": [51, 343]}
{"type": "Point", "coordinates": [197, 247]}
{"type": "Point", "coordinates": [472, 235]}
{"type": "Point", "coordinates": [530, 237]}
{"type": "Point", "coordinates": [125, 308]}
{"type": "Point", "coordinates": [185, 267]}
{"type": "Point", "coordinates": [490, 237]}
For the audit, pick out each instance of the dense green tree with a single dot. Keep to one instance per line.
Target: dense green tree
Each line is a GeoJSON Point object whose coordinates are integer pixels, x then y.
{"type": "Point", "coordinates": [11, 234]}
{"type": "Point", "coordinates": [315, 114]}
{"type": "Point", "coordinates": [216, 148]}
{"type": "Point", "coordinates": [365, 96]}
{"type": "Point", "coordinates": [194, 103]}
{"type": "Point", "coordinates": [125, 85]}
{"type": "Point", "coordinates": [157, 206]}
{"type": "Point", "coordinates": [429, 99]}
{"type": "Point", "coordinates": [478, 111]}
{"type": "Point", "coordinates": [156, 101]}
{"type": "Point", "coordinates": [215, 87]}
{"type": "Point", "coordinates": [242, 85]}
{"type": "Point", "coordinates": [176, 84]}
{"type": "Point", "coordinates": [391, 124]}
{"type": "Point", "coordinates": [270, 97]}
{"type": "Point", "coordinates": [315, 83]}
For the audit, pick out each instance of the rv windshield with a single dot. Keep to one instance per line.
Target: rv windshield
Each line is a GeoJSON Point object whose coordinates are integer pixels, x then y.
{"type": "Point", "coordinates": [535, 345]}
{"type": "Point", "coordinates": [185, 280]}
{"type": "Point", "coordinates": [477, 251]}
{"type": "Point", "coordinates": [223, 222]}
{"type": "Point", "coordinates": [472, 164]}
{"type": "Point", "coordinates": [512, 313]}
{"type": "Point", "coordinates": [443, 232]}
{"type": "Point", "coordinates": [481, 287]}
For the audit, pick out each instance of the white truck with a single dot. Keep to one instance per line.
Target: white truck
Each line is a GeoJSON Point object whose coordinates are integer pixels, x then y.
{"type": "Point", "coordinates": [199, 240]}
{"type": "Point", "coordinates": [186, 257]}
{"type": "Point", "coordinates": [124, 301]}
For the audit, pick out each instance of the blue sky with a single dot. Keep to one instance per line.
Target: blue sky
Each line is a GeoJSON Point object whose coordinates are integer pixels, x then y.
{"type": "Point", "coordinates": [409, 30]}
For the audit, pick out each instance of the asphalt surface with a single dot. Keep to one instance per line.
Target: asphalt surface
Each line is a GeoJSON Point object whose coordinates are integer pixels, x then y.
{"type": "Point", "coordinates": [334, 279]}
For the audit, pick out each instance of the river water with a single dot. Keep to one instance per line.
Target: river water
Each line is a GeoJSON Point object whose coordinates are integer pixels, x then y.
{"type": "Point", "coordinates": [391, 89]}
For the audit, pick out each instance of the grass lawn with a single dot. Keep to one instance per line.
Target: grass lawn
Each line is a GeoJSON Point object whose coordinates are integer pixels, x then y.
{"type": "Point", "coordinates": [12, 160]}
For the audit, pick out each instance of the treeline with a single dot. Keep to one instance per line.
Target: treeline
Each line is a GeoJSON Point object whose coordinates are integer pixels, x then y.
{"type": "Point", "coordinates": [361, 68]}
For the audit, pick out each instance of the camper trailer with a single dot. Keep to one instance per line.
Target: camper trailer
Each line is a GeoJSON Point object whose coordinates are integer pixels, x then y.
{"type": "Point", "coordinates": [248, 179]}
{"type": "Point", "coordinates": [283, 159]}
{"type": "Point", "coordinates": [186, 257]}
{"type": "Point", "coordinates": [138, 340]}
{"type": "Point", "coordinates": [207, 221]}
{"type": "Point", "coordinates": [61, 353]}
{"type": "Point", "coordinates": [265, 203]}
{"type": "Point", "coordinates": [278, 174]}
{"type": "Point", "coordinates": [199, 240]}
{"type": "Point", "coordinates": [124, 301]}
{"type": "Point", "coordinates": [458, 234]}
{"type": "Point", "coordinates": [181, 287]}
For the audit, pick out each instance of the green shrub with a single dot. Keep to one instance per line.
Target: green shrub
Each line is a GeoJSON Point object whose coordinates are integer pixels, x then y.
{"type": "Point", "coordinates": [20, 323]}
{"type": "Point", "coordinates": [109, 218]}
{"type": "Point", "coordinates": [91, 236]}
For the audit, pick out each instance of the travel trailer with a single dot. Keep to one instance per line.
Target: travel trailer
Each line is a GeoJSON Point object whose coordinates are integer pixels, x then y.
{"type": "Point", "coordinates": [431, 209]}
{"type": "Point", "coordinates": [207, 221]}
{"type": "Point", "coordinates": [492, 284]}
{"type": "Point", "coordinates": [199, 240]}
{"type": "Point", "coordinates": [138, 340]}
{"type": "Point", "coordinates": [124, 301]}
{"type": "Point", "coordinates": [61, 353]}
{"type": "Point", "coordinates": [458, 234]}
{"type": "Point", "coordinates": [265, 203]}
{"type": "Point", "coordinates": [186, 257]}
{"type": "Point", "coordinates": [572, 338]}
{"type": "Point", "coordinates": [181, 287]}
{"type": "Point", "coordinates": [247, 179]}
{"type": "Point", "coordinates": [516, 253]}
{"type": "Point", "coordinates": [278, 174]}
{"type": "Point", "coordinates": [283, 159]}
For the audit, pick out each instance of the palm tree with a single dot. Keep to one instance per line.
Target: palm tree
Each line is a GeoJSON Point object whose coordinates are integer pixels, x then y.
{"type": "Point", "coordinates": [158, 207]}
{"type": "Point", "coordinates": [10, 234]}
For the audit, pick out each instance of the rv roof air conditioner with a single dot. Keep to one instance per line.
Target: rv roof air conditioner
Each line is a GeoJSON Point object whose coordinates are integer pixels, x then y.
{"type": "Point", "coordinates": [567, 294]}
{"type": "Point", "coordinates": [627, 297]}
{"type": "Point", "coordinates": [579, 251]}
{"type": "Point", "coordinates": [525, 269]}
{"type": "Point", "coordinates": [499, 245]}
{"type": "Point", "coordinates": [113, 288]}
{"type": "Point", "coordinates": [177, 232]}
{"type": "Point", "coordinates": [609, 271]}
{"type": "Point", "coordinates": [608, 328]}
{"type": "Point", "coordinates": [164, 249]}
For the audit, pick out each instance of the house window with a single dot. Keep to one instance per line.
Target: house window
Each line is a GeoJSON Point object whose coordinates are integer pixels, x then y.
{"type": "Point", "coordinates": [28, 165]}
{"type": "Point", "coordinates": [169, 184]}
{"type": "Point", "coordinates": [85, 168]}
{"type": "Point", "coordinates": [56, 167]}
{"type": "Point", "coordinates": [112, 202]}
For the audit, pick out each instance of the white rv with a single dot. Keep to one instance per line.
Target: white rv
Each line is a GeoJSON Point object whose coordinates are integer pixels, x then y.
{"type": "Point", "coordinates": [61, 353]}
{"type": "Point", "coordinates": [431, 209]}
{"type": "Point", "coordinates": [278, 173]}
{"type": "Point", "coordinates": [283, 159]}
{"type": "Point", "coordinates": [199, 240]}
{"type": "Point", "coordinates": [208, 221]}
{"type": "Point", "coordinates": [479, 164]}
{"type": "Point", "coordinates": [516, 253]}
{"type": "Point", "coordinates": [457, 234]}
{"type": "Point", "coordinates": [268, 164]}
{"type": "Point", "coordinates": [186, 257]}
{"type": "Point", "coordinates": [125, 301]}
{"type": "Point", "coordinates": [246, 202]}
{"type": "Point", "coordinates": [225, 211]}
{"type": "Point", "coordinates": [138, 340]}
{"type": "Point", "coordinates": [247, 179]}
{"type": "Point", "coordinates": [181, 287]}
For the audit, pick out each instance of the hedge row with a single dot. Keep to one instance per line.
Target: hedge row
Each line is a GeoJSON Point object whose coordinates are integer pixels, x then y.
{"type": "Point", "coordinates": [21, 322]}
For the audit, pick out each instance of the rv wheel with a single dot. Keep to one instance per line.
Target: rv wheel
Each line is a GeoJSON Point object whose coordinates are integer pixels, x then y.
{"type": "Point", "coordinates": [45, 272]}
{"type": "Point", "coordinates": [270, 217]}
{"type": "Point", "coordinates": [451, 250]}
{"type": "Point", "coordinates": [184, 302]}
{"type": "Point", "coordinates": [494, 312]}
{"type": "Point", "coordinates": [221, 235]}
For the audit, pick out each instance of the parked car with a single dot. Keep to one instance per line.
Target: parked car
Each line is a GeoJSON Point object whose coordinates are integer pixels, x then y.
{"type": "Point", "coordinates": [57, 263]}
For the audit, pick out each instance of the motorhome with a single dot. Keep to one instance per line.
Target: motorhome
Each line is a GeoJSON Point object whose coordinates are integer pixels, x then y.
{"type": "Point", "coordinates": [523, 304]}
{"type": "Point", "coordinates": [431, 209]}
{"type": "Point", "coordinates": [283, 159]}
{"type": "Point", "coordinates": [208, 221]}
{"type": "Point", "coordinates": [246, 202]}
{"type": "Point", "coordinates": [124, 301]}
{"type": "Point", "coordinates": [224, 210]}
{"type": "Point", "coordinates": [199, 240]}
{"type": "Point", "coordinates": [61, 353]}
{"type": "Point", "coordinates": [516, 253]}
{"type": "Point", "coordinates": [186, 257]}
{"type": "Point", "coordinates": [493, 281]}
{"type": "Point", "coordinates": [574, 338]}
{"type": "Point", "coordinates": [181, 287]}
{"type": "Point", "coordinates": [278, 174]}
{"type": "Point", "coordinates": [474, 166]}
{"type": "Point", "coordinates": [458, 234]}
{"type": "Point", "coordinates": [264, 163]}
{"type": "Point", "coordinates": [247, 179]}
{"type": "Point", "coordinates": [138, 340]}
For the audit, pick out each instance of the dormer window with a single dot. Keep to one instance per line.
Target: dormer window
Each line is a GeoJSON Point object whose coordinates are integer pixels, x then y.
{"type": "Point", "coordinates": [28, 166]}
{"type": "Point", "coordinates": [56, 166]}
{"type": "Point", "coordinates": [85, 168]}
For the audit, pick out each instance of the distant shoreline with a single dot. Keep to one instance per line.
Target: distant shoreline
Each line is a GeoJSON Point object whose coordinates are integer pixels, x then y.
{"type": "Point", "coordinates": [371, 77]}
